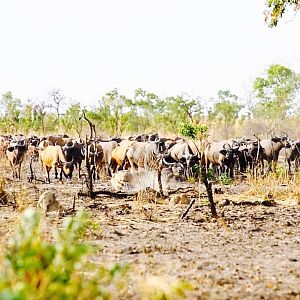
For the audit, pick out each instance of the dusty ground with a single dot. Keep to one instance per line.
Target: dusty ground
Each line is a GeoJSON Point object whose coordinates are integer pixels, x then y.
{"type": "Point", "coordinates": [251, 252]}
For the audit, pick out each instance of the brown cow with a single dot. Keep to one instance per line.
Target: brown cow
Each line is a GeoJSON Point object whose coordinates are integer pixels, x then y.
{"type": "Point", "coordinates": [53, 157]}
{"type": "Point", "coordinates": [57, 140]}
{"type": "Point", "coordinates": [118, 158]}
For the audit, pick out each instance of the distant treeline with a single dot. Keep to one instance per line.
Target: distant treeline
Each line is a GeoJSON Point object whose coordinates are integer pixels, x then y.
{"type": "Point", "coordinates": [271, 101]}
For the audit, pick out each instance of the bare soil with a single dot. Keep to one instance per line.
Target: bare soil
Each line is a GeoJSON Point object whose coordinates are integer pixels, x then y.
{"type": "Point", "coordinates": [251, 252]}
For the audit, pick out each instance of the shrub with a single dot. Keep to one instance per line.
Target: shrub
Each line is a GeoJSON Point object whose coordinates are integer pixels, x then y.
{"type": "Point", "coordinates": [225, 179]}
{"type": "Point", "coordinates": [33, 268]}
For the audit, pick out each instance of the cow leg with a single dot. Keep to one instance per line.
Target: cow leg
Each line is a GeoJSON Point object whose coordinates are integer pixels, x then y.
{"type": "Point", "coordinates": [93, 172]}
{"type": "Point", "coordinates": [19, 171]}
{"type": "Point", "coordinates": [108, 170]}
{"type": "Point", "coordinates": [13, 170]}
{"type": "Point", "coordinates": [296, 164]}
{"type": "Point", "coordinates": [55, 172]}
{"type": "Point", "coordinates": [289, 165]}
{"type": "Point", "coordinates": [262, 167]}
{"type": "Point", "coordinates": [79, 170]}
{"type": "Point", "coordinates": [48, 174]}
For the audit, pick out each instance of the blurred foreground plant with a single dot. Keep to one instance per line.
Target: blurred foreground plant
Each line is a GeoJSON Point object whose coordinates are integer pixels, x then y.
{"type": "Point", "coordinates": [33, 268]}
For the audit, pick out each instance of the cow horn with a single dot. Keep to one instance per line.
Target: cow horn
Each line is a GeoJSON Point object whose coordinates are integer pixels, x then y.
{"type": "Point", "coordinates": [13, 144]}
{"type": "Point", "coordinates": [168, 163]}
{"type": "Point", "coordinates": [226, 146]}
{"type": "Point", "coordinates": [66, 146]}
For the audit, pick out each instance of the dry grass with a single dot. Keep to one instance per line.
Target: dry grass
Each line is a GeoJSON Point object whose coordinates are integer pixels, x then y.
{"type": "Point", "coordinates": [274, 186]}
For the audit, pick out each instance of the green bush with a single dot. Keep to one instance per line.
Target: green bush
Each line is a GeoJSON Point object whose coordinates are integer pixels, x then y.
{"type": "Point", "coordinates": [225, 179]}
{"type": "Point", "coordinates": [34, 268]}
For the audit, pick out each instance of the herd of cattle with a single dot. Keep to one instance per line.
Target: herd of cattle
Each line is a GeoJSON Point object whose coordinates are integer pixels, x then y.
{"type": "Point", "coordinates": [147, 151]}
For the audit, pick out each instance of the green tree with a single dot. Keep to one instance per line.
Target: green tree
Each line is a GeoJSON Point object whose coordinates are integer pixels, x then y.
{"type": "Point", "coordinates": [276, 9]}
{"type": "Point", "coordinates": [11, 113]}
{"type": "Point", "coordinates": [275, 92]}
{"type": "Point", "coordinates": [27, 118]}
{"type": "Point", "coordinates": [172, 111]}
{"type": "Point", "coordinates": [71, 120]}
{"type": "Point", "coordinates": [115, 108]}
{"type": "Point", "coordinates": [144, 105]}
{"type": "Point", "coordinates": [226, 110]}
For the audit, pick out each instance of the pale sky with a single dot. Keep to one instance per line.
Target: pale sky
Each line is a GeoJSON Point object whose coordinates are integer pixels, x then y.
{"type": "Point", "coordinates": [169, 47]}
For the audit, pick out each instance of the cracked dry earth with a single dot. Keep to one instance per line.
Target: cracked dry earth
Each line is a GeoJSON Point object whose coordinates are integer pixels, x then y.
{"type": "Point", "coordinates": [252, 252]}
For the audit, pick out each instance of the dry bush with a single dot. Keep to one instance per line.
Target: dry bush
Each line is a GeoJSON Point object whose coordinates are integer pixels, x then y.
{"type": "Point", "coordinates": [146, 201]}
{"type": "Point", "coordinates": [22, 199]}
{"type": "Point", "coordinates": [3, 193]}
{"type": "Point", "coordinates": [275, 186]}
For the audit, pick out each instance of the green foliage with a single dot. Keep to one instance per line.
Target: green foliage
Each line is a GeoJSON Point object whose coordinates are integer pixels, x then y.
{"type": "Point", "coordinates": [71, 120]}
{"type": "Point", "coordinates": [276, 9]}
{"type": "Point", "coordinates": [193, 131]}
{"type": "Point", "coordinates": [211, 174]}
{"type": "Point", "coordinates": [161, 291]}
{"type": "Point", "coordinates": [275, 92]}
{"type": "Point", "coordinates": [225, 179]}
{"type": "Point", "coordinates": [36, 269]}
{"type": "Point", "coordinates": [172, 111]}
{"type": "Point", "coordinates": [11, 117]}
{"type": "Point", "coordinates": [226, 109]}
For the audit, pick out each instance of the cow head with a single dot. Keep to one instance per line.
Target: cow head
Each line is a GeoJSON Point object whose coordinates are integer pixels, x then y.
{"type": "Point", "coordinates": [161, 145]}
{"type": "Point", "coordinates": [230, 153]}
{"type": "Point", "coordinates": [68, 149]}
{"type": "Point", "coordinates": [177, 168]}
{"type": "Point", "coordinates": [281, 140]}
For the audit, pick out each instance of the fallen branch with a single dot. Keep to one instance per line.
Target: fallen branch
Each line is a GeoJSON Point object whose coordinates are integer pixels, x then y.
{"type": "Point", "coordinates": [188, 209]}
{"type": "Point", "coordinates": [108, 193]}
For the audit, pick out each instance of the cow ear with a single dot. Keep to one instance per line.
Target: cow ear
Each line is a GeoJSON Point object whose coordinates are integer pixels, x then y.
{"type": "Point", "coordinates": [223, 152]}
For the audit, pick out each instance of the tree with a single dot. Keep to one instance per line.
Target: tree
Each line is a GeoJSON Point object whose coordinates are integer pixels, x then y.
{"type": "Point", "coordinates": [275, 92]}
{"type": "Point", "coordinates": [71, 120]}
{"type": "Point", "coordinates": [33, 117]}
{"type": "Point", "coordinates": [174, 110]}
{"type": "Point", "coordinates": [276, 9]}
{"type": "Point", "coordinates": [11, 117]}
{"type": "Point", "coordinates": [226, 110]}
{"type": "Point", "coordinates": [57, 98]}
{"type": "Point", "coordinates": [115, 106]}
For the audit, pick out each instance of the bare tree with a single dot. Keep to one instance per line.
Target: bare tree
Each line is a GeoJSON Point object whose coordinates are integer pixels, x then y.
{"type": "Point", "coordinates": [57, 98]}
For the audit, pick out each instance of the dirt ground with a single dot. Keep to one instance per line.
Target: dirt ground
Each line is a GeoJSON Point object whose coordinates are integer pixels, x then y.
{"type": "Point", "coordinates": [251, 252]}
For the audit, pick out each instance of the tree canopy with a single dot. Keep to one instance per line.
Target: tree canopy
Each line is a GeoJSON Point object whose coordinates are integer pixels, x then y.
{"type": "Point", "coordinates": [276, 9]}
